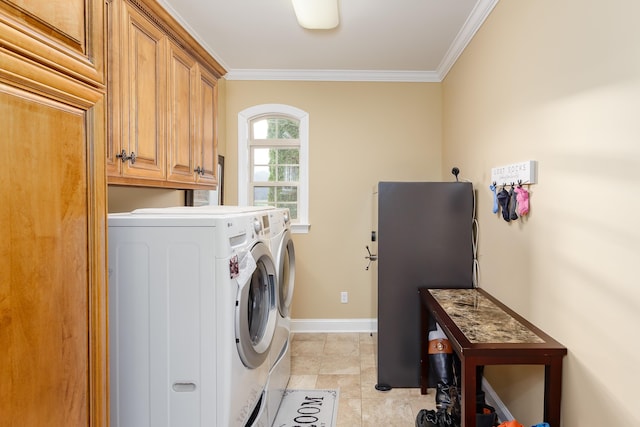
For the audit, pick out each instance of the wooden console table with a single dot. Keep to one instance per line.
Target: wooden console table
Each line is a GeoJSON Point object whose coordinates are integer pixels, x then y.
{"type": "Point", "coordinates": [483, 331]}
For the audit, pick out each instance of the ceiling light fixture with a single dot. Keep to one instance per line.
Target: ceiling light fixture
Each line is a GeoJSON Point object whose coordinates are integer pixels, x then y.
{"type": "Point", "coordinates": [316, 14]}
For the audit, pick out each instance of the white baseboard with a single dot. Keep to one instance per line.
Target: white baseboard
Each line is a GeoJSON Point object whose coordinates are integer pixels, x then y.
{"type": "Point", "coordinates": [334, 325]}
{"type": "Point", "coordinates": [492, 399]}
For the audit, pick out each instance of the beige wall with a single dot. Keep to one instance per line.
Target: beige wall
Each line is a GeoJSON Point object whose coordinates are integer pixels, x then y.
{"type": "Point", "coordinates": [359, 134]}
{"type": "Point", "coordinates": [559, 82]}
{"type": "Point", "coordinates": [125, 199]}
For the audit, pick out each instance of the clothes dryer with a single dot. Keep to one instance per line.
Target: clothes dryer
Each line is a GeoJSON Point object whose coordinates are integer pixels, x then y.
{"type": "Point", "coordinates": [283, 250]}
{"type": "Point", "coordinates": [193, 311]}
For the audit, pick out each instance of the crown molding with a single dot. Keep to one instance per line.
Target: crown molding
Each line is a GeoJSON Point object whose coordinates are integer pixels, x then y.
{"type": "Point", "coordinates": [475, 20]}
{"type": "Point", "coordinates": [193, 33]}
{"type": "Point", "coordinates": [334, 75]}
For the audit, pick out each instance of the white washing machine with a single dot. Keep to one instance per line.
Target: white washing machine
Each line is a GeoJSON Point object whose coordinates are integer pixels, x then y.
{"type": "Point", "coordinates": [193, 311]}
{"type": "Point", "coordinates": [283, 250]}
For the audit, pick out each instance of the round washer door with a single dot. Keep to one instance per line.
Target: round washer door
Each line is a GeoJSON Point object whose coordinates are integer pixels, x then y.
{"type": "Point", "coordinates": [286, 273]}
{"type": "Point", "coordinates": [256, 311]}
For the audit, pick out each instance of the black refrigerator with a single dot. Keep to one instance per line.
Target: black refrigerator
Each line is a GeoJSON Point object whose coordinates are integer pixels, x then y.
{"type": "Point", "coordinates": [424, 238]}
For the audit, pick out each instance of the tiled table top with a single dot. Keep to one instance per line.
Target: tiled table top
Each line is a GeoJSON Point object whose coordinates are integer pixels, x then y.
{"type": "Point", "coordinates": [480, 319]}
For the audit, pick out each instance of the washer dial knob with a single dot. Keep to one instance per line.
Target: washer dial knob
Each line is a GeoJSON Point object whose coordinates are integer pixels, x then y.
{"type": "Point", "coordinates": [257, 225]}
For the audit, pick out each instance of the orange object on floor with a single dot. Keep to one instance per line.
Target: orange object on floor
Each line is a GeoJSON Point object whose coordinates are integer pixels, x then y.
{"type": "Point", "coordinates": [511, 423]}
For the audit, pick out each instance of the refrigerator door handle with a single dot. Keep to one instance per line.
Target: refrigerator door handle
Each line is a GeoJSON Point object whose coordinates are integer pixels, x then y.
{"type": "Point", "coordinates": [371, 257]}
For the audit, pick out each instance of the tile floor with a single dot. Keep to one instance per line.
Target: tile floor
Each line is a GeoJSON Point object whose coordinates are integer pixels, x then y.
{"type": "Point", "coordinates": [348, 361]}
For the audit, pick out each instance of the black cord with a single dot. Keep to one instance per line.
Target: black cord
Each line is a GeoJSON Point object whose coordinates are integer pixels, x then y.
{"type": "Point", "coordinates": [455, 171]}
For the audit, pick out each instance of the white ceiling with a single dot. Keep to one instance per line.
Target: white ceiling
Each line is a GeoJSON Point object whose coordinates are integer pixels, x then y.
{"type": "Point", "coordinates": [376, 40]}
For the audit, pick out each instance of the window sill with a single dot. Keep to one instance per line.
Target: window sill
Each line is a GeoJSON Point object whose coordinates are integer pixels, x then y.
{"type": "Point", "coordinates": [300, 228]}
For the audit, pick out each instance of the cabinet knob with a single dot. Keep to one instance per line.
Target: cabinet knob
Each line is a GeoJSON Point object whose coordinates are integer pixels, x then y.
{"type": "Point", "coordinates": [199, 170]}
{"type": "Point", "coordinates": [123, 156]}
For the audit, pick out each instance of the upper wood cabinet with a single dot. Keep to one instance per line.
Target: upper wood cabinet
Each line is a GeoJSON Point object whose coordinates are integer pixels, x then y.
{"type": "Point", "coordinates": [138, 91]}
{"type": "Point", "coordinates": [63, 35]}
{"type": "Point", "coordinates": [163, 101]}
{"type": "Point", "coordinates": [182, 115]}
{"type": "Point", "coordinates": [192, 145]}
{"type": "Point", "coordinates": [53, 299]}
{"type": "Point", "coordinates": [207, 133]}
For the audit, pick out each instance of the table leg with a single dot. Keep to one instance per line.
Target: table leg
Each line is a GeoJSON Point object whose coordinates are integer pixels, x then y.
{"type": "Point", "coordinates": [468, 392]}
{"type": "Point", "coordinates": [552, 391]}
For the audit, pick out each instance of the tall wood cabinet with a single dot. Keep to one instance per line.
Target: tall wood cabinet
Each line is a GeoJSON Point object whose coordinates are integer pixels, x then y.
{"type": "Point", "coordinates": [53, 329]}
{"type": "Point", "coordinates": [163, 101]}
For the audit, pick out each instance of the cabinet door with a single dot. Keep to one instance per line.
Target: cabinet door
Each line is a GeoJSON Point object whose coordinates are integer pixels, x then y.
{"type": "Point", "coordinates": [66, 35]}
{"type": "Point", "coordinates": [143, 92]}
{"type": "Point", "coordinates": [207, 136]}
{"type": "Point", "coordinates": [52, 341]}
{"type": "Point", "coordinates": [181, 145]}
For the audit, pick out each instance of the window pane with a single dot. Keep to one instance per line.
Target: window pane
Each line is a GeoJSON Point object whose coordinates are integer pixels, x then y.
{"type": "Point", "coordinates": [275, 128]}
{"type": "Point", "coordinates": [259, 128]}
{"type": "Point", "coordinates": [262, 156]}
{"type": "Point", "coordinates": [278, 196]}
{"type": "Point", "coordinates": [290, 156]}
{"type": "Point", "coordinates": [288, 173]}
{"type": "Point", "coordinates": [264, 173]}
{"type": "Point", "coordinates": [276, 164]}
{"type": "Point", "coordinates": [263, 196]}
{"type": "Point", "coordinates": [286, 129]}
{"type": "Point", "coordinates": [287, 194]}
{"type": "Point", "coordinates": [293, 209]}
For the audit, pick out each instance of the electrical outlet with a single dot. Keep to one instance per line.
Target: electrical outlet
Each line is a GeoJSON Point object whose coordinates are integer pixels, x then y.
{"type": "Point", "coordinates": [344, 297]}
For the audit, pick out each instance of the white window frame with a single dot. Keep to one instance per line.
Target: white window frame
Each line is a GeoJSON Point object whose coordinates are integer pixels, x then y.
{"type": "Point", "coordinates": [302, 224]}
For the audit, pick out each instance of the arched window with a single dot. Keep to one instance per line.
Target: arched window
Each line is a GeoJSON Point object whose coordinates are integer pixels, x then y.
{"type": "Point", "coordinates": [273, 161]}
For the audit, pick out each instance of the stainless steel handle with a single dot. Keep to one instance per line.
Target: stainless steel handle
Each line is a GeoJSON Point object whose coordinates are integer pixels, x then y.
{"type": "Point", "coordinates": [371, 257]}
{"type": "Point", "coordinates": [123, 156]}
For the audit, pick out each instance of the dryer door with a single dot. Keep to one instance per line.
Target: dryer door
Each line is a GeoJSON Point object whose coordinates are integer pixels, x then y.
{"type": "Point", "coordinates": [286, 273]}
{"type": "Point", "coordinates": [256, 311]}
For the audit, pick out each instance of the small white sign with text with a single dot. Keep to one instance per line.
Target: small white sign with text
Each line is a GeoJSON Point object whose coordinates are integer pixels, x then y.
{"type": "Point", "coordinates": [523, 173]}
